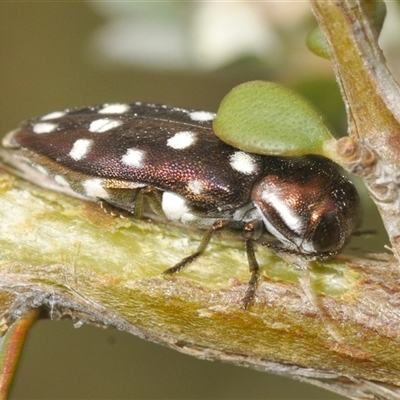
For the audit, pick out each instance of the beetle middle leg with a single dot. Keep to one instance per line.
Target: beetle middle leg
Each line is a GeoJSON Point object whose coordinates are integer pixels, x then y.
{"type": "Point", "coordinates": [128, 202]}
{"type": "Point", "coordinates": [217, 226]}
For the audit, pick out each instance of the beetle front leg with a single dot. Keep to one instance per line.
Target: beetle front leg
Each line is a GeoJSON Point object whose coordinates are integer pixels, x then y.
{"type": "Point", "coordinates": [217, 226]}
{"type": "Point", "coordinates": [249, 230]}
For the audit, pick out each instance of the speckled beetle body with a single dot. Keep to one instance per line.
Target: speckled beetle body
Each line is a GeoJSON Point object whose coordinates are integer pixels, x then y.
{"type": "Point", "coordinates": [123, 153]}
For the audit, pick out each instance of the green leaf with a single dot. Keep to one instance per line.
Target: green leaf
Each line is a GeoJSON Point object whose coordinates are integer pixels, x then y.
{"type": "Point", "coordinates": [316, 43]}
{"type": "Point", "coordinates": [265, 118]}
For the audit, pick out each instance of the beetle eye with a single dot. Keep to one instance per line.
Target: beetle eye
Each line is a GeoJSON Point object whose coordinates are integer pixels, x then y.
{"type": "Point", "coordinates": [327, 236]}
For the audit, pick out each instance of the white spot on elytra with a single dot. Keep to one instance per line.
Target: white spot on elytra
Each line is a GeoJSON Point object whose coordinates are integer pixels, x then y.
{"type": "Point", "coordinates": [196, 186]}
{"type": "Point", "coordinates": [104, 125]}
{"type": "Point", "coordinates": [182, 140]}
{"type": "Point", "coordinates": [44, 127]}
{"type": "Point", "coordinates": [201, 116]}
{"type": "Point", "coordinates": [53, 115]}
{"type": "Point", "coordinates": [94, 188]}
{"type": "Point", "coordinates": [243, 162]}
{"type": "Point", "coordinates": [61, 181]}
{"type": "Point", "coordinates": [133, 158]}
{"type": "Point", "coordinates": [114, 108]}
{"type": "Point", "coordinates": [80, 149]}
{"type": "Point", "coordinates": [174, 206]}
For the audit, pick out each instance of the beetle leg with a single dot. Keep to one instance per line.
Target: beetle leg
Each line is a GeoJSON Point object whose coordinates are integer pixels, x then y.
{"type": "Point", "coordinates": [127, 203]}
{"type": "Point", "coordinates": [113, 210]}
{"type": "Point", "coordinates": [153, 197]}
{"type": "Point", "coordinates": [280, 251]}
{"type": "Point", "coordinates": [248, 298]}
{"type": "Point", "coordinates": [217, 226]}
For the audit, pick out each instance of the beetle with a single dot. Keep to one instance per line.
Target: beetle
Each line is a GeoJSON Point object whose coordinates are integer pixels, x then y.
{"type": "Point", "coordinates": [123, 154]}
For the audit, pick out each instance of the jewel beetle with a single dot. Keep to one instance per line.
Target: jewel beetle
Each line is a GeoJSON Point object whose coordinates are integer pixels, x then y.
{"type": "Point", "coordinates": [149, 159]}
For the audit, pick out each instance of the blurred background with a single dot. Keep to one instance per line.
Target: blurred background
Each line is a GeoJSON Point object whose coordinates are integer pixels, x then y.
{"type": "Point", "coordinates": [55, 55]}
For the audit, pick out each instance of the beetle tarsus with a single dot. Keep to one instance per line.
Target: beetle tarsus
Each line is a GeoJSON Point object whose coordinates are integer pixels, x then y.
{"type": "Point", "coordinates": [251, 290]}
